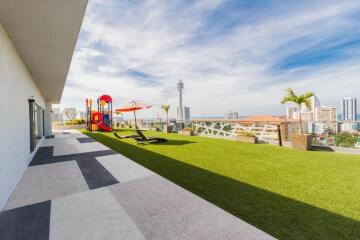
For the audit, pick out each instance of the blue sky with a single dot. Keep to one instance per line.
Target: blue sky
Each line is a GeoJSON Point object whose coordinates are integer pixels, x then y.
{"type": "Point", "coordinates": [231, 54]}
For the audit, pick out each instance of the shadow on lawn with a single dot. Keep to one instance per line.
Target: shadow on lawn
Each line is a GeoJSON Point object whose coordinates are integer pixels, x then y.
{"type": "Point", "coordinates": [322, 148]}
{"type": "Point", "coordinates": [169, 141]}
{"type": "Point", "coordinates": [174, 142]}
{"type": "Point", "coordinates": [279, 216]}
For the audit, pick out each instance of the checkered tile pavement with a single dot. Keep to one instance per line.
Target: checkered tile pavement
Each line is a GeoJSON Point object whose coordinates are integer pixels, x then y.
{"type": "Point", "coordinates": [76, 188]}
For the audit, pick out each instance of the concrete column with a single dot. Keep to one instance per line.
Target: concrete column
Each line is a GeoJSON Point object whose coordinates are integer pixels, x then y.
{"type": "Point", "coordinates": [48, 119]}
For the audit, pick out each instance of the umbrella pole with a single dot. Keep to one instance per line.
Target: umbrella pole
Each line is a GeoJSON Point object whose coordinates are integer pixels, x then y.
{"type": "Point", "coordinates": [135, 119]}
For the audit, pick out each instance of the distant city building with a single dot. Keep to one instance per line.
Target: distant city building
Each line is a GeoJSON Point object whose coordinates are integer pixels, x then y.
{"type": "Point", "coordinates": [187, 114]}
{"type": "Point", "coordinates": [231, 115]}
{"type": "Point", "coordinates": [292, 113]}
{"type": "Point", "coordinates": [349, 109]}
{"type": "Point", "coordinates": [315, 127]}
{"type": "Point", "coordinates": [316, 119]}
{"type": "Point", "coordinates": [328, 116]}
{"type": "Point", "coordinates": [349, 126]}
{"type": "Point", "coordinates": [180, 113]}
{"type": "Point", "coordinates": [315, 108]}
{"type": "Point", "coordinates": [307, 114]}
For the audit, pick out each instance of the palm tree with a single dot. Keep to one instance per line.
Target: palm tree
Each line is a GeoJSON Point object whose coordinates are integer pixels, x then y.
{"type": "Point", "coordinates": [298, 100]}
{"type": "Point", "coordinates": [166, 108]}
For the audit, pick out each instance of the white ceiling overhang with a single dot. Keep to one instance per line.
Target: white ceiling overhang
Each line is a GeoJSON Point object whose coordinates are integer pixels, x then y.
{"type": "Point", "coordinates": [44, 32]}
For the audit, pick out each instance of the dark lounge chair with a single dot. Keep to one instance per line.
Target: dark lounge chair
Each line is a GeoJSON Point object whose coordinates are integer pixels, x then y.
{"type": "Point", "coordinates": [127, 136]}
{"type": "Point", "coordinates": [142, 138]}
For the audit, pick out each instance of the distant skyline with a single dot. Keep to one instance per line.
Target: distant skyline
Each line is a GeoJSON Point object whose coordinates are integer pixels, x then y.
{"type": "Point", "coordinates": [232, 55]}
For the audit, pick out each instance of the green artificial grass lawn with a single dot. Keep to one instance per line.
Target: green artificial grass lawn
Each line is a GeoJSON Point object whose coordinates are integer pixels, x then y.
{"type": "Point", "coordinates": [287, 193]}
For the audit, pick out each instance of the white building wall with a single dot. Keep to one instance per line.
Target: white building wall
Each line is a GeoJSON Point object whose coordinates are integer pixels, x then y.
{"type": "Point", "coordinates": [16, 87]}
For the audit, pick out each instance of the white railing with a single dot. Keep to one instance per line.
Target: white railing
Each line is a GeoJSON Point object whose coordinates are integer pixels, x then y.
{"type": "Point", "coordinates": [263, 132]}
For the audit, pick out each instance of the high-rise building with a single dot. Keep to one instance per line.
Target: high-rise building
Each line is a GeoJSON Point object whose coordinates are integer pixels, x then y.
{"type": "Point", "coordinates": [231, 115]}
{"type": "Point", "coordinates": [328, 113]}
{"type": "Point", "coordinates": [180, 113]}
{"type": "Point", "coordinates": [187, 114]}
{"type": "Point", "coordinates": [329, 117]}
{"type": "Point", "coordinates": [349, 109]}
{"type": "Point", "coordinates": [315, 102]}
{"type": "Point", "coordinates": [315, 108]}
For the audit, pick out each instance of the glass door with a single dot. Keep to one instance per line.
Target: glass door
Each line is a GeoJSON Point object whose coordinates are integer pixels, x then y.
{"type": "Point", "coordinates": [32, 125]}
{"type": "Point", "coordinates": [36, 114]}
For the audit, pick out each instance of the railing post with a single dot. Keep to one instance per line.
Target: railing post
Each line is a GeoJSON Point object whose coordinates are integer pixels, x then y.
{"type": "Point", "coordinates": [279, 135]}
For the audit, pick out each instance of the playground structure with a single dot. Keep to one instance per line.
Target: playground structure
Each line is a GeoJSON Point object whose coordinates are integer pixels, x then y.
{"type": "Point", "coordinates": [101, 119]}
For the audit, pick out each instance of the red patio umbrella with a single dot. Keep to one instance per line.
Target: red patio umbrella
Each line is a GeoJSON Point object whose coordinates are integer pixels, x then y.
{"type": "Point", "coordinates": [133, 106]}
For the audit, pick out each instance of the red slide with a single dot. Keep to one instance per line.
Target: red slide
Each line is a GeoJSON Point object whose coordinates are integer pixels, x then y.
{"type": "Point", "coordinates": [104, 128]}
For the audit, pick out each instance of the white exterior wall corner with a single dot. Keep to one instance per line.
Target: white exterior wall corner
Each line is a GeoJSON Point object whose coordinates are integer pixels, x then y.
{"type": "Point", "coordinates": [16, 87]}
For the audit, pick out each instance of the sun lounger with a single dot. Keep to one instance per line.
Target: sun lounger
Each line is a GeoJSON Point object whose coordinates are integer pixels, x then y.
{"type": "Point", "coordinates": [127, 136]}
{"type": "Point", "coordinates": [142, 138]}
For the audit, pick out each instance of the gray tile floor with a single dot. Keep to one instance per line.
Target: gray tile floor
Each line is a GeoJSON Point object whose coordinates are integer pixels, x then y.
{"type": "Point", "coordinates": [76, 188]}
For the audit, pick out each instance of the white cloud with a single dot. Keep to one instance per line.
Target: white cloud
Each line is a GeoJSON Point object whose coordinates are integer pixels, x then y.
{"type": "Point", "coordinates": [227, 70]}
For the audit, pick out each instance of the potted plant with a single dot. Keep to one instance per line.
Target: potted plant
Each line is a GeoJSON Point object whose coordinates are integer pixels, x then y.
{"type": "Point", "coordinates": [246, 137]}
{"type": "Point", "coordinates": [166, 108]}
{"type": "Point", "coordinates": [187, 131]}
{"type": "Point", "coordinates": [299, 141]}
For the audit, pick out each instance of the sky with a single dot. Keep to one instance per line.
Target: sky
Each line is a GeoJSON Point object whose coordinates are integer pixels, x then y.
{"type": "Point", "coordinates": [232, 55]}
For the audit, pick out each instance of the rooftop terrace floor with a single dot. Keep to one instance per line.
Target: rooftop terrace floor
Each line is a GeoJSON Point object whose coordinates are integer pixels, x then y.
{"type": "Point", "coordinates": [76, 188]}
{"type": "Point", "coordinates": [287, 193]}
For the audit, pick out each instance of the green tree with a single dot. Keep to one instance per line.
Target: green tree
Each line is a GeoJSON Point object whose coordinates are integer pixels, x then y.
{"type": "Point", "coordinates": [298, 100]}
{"type": "Point", "coordinates": [345, 139]}
{"type": "Point", "coordinates": [70, 113]}
{"type": "Point", "coordinates": [166, 108]}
